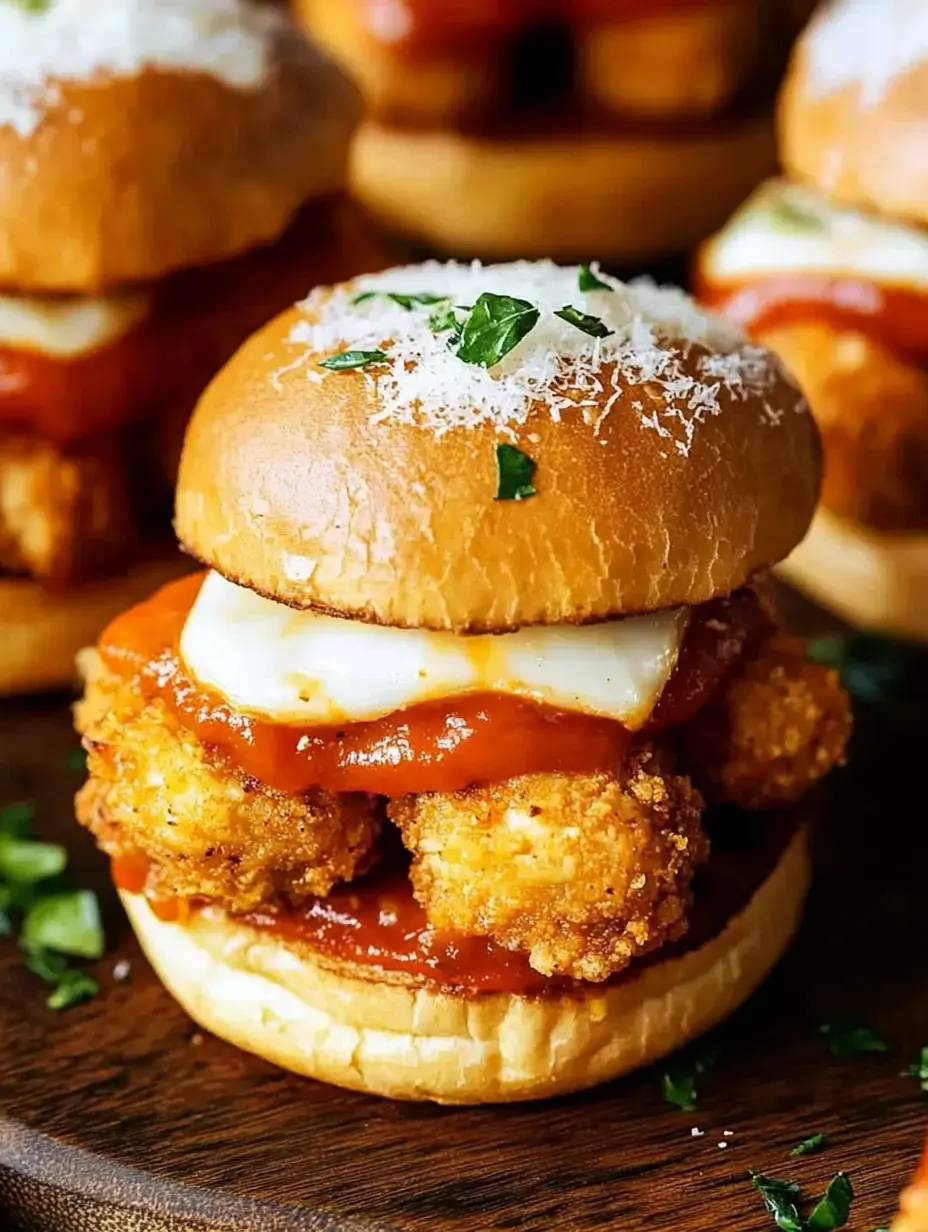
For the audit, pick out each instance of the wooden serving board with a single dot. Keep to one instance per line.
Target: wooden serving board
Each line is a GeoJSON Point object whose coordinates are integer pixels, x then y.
{"type": "Point", "coordinates": [120, 1115]}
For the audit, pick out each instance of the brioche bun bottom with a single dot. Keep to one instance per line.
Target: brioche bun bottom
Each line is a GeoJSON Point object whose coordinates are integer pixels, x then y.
{"type": "Point", "coordinates": [872, 579]}
{"type": "Point", "coordinates": [621, 196]}
{"type": "Point", "coordinates": [42, 627]}
{"type": "Point", "coordinates": [250, 988]}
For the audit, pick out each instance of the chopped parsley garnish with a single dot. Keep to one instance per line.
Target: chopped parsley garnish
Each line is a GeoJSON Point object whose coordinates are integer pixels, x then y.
{"type": "Point", "coordinates": [849, 1038]}
{"type": "Point", "coordinates": [514, 472]}
{"type": "Point", "coordinates": [588, 281]}
{"type": "Point", "coordinates": [342, 361]}
{"type": "Point", "coordinates": [444, 319]}
{"type": "Point", "coordinates": [54, 923]}
{"type": "Point", "coordinates": [873, 668]}
{"type": "Point", "coordinates": [77, 761]}
{"type": "Point", "coordinates": [794, 218]}
{"type": "Point", "coordinates": [808, 1146]}
{"type": "Point", "coordinates": [920, 1069]}
{"type": "Point", "coordinates": [832, 1210]}
{"type": "Point", "coordinates": [780, 1200]}
{"type": "Point", "coordinates": [495, 325]}
{"type": "Point", "coordinates": [681, 1075]}
{"type": "Point", "coordinates": [593, 326]}
{"type": "Point", "coordinates": [423, 300]}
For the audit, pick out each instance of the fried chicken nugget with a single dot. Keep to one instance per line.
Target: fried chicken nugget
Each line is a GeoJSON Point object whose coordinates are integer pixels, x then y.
{"type": "Point", "coordinates": [65, 511]}
{"type": "Point", "coordinates": [781, 723]}
{"type": "Point", "coordinates": [583, 872]}
{"type": "Point", "coordinates": [208, 830]}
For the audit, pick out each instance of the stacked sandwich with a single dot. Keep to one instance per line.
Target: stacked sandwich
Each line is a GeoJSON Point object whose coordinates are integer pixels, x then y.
{"type": "Point", "coordinates": [409, 790]}
{"type": "Point", "coordinates": [527, 127]}
{"type": "Point", "coordinates": [830, 268]}
{"type": "Point", "coordinates": [145, 146]}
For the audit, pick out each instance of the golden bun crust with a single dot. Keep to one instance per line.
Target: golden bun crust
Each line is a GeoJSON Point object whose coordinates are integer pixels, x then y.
{"type": "Point", "coordinates": [859, 144]}
{"type": "Point", "coordinates": [130, 177]}
{"type": "Point", "coordinates": [869, 578]}
{"type": "Point", "coordinates": [42, 628]}
{"type": "Point", "coordinates": [288, 486]}
{"type": "Point", "coordinates": [496, 197]}
{"type": "Point", "coordinates": [412, 1043]}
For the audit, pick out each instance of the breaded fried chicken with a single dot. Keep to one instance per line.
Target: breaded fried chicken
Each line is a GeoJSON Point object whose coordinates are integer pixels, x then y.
{"type": "Point", "coordinates": [64, 512]}
{"type": "Point", "coordinates": [208, 830]}
{"type": "Point", "coordinates": [779, 725]}
{"type": "Point", "coordinates": [583, 872]}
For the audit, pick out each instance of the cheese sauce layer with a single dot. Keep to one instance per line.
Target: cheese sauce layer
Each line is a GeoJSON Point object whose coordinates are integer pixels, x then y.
{"type": "Point", "coordinates": [66, 326]}
{"type": "Point", "coordinates": [302, 667]}
{"type": "Point", "coordinates": [789, 255]}
{"type": "Point", "coordinates": [433, 744]}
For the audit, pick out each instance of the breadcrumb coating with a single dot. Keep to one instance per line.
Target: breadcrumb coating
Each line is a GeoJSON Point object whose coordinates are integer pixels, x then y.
{"type": "Point", "coordinates": [65, 512]}
{"type": "Point", "coordinates": [779, 725]}
{"type": "Point", "coordinates": [208, 830]}
{"type": "Point", "coordinates": [582, 872]}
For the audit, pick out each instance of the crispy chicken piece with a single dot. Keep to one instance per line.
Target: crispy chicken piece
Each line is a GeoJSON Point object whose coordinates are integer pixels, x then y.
{"type": "Point", "coordinates": [583, 872]}
{"type": "Point", "coordinates": [208, 830]}
{"type": "Point", "coordinates": [65, 511]}
{"type": "Point", "coordinates": [780, 724]}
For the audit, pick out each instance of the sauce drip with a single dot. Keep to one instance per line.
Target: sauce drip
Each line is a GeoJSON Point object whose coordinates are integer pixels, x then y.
{"type": "Point", "coordinates": [895, 316]}
{"type": "Point", "coordinates": [441, 745]}
{"type": "Point", "coordinates": [198, 318]}
{"type": "Point", "coordinates": [376, 925]}
{"type": "Point", "coordinates": [426, 27]}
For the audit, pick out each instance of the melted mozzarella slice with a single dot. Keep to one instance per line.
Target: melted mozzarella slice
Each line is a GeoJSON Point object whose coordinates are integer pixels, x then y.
{"type": "Point", "coordinates": [785, 228]}
{"type": "Point", "coordinates": [301, 667]}
{"type": "Point", "coordinates": [67, 326]}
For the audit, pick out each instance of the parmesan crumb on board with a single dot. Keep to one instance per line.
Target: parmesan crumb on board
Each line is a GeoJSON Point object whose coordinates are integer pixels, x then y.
{"type": "Point", "coordinates": [867, 43]}
{"type": "Point", "coordinates": [422, 381]}
{"type": "Point", "coordinates": [76, 40]}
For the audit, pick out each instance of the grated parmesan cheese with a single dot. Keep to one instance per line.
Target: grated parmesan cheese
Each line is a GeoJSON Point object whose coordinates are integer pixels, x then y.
{"type": "Point", "coordinates": [867, 43]}
{"type": "Point", "coordinates": [424, 383]}
{"type": "Point", "coordinates": [76, 40]}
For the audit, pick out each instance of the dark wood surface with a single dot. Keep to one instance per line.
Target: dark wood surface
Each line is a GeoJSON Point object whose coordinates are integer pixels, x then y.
{"type": "Point", "coordinates": [120, 1115]}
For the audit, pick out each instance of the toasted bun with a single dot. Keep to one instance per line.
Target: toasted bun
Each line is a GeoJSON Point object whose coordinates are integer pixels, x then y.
{"type": "Point", "coordinates": [43, 628]}
{"type": "Point", "coordinates": [674, 460]}
{"type": "Point", "coordinates": [626, 195]}
{"type": "Point", "coordinates": [855, 103]}
{"type": "Point", "coordinates": [127, 177]}
{"type": "Point", "coordinates": [251, 988]}
{"type": "Point", "coordinates": [871, 579]}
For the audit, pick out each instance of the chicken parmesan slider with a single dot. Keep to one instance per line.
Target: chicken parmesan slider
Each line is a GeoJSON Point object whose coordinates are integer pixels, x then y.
{"type": "Point", "coordinates": [413, 790]}
{"type": "Point", "coordinates": [170, 173]}
{"type": "Point", "coordinates": [829, 267]}
{"type": "Point", "coordinates": [629, 128]}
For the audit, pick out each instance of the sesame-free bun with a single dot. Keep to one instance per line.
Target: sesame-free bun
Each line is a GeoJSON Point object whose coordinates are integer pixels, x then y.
{"type": "Point", "coordinates": [305, 1014]}
{"type": "Point", "coordinates": [626, 193]}
{"type": "Point", "coordinates": [854, 106]}
{"type": "Point", "coordinates": [43, 627]}
{"type": "Point", "coordinates": [126, 178]}
{"type": "Point", "coordinates": [876, 580]}
{"type": "Point", "coordinates": [674, 459]}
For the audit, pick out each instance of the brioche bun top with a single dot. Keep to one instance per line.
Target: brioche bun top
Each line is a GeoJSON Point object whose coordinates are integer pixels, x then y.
{"type": "Point", "coordinates": [854, 106]}
{"type": "Point", "coordinates": [142, 136]}
{"type": "Point", "coordinates": [673, 458]}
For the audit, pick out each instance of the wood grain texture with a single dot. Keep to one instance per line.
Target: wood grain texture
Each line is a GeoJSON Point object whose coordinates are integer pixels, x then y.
{"type": "Point", "coordinates": [119, 1115]}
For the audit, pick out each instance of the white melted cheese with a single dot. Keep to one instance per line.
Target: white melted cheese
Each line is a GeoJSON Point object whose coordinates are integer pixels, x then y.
{"type": "Point", "coordinates": [305, 668]}
{"type": "Point", "coordinates": [785, 228]}
{"type": "Point", "coordinates": [68, 326]}
{"type": "Point", "coordinates": [76, 40]}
